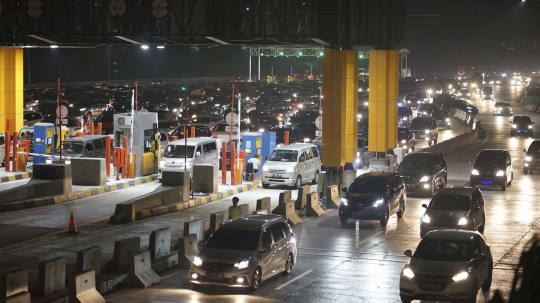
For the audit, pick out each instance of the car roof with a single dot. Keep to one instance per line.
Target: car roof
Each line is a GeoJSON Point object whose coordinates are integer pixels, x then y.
{"type": "Point", "coordinates": [456, 191]}
{"type": "Point", "coordinates": [493, 150]}
{"type": "Point", "coordinates": [192, 141]}
{"type": "Point", "coordinates": [450, 234]}
{"type": "Point", "coordinates": [295, 146]}
{"type": "Point", "coordinates": [252, 222]}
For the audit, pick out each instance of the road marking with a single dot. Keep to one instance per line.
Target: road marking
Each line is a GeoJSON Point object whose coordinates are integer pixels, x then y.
{"type": "Point", "coordinates": [289, 282]}
{"type": "Point", "coordinates": [369, 238]}
{"type": "Point", "coordinates": [329, 210]}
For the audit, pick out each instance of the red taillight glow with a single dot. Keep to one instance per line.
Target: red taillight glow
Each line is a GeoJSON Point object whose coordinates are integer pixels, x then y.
{"type": "Point", "coordinates": [292, 235]}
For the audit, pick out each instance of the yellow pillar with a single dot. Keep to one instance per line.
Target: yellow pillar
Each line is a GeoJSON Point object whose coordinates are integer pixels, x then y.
{"type": "Point", "coordinates": [11, 88]}
{"type": "Point", "coordinates": [340, 107]}
{"type": "Point", "coordinates": [383, 96]}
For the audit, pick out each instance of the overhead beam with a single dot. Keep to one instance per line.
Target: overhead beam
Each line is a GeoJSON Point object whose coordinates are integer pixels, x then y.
{"type": "Point", "coordinates": [127, 40]}
{"type": "Point", "coordinates": [42, 39]}
{"type": "Point", "coordinates": [218, 40]}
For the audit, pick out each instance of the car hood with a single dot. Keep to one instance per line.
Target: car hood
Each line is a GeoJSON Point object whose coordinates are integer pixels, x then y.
{"type": "Point", "coordinates": [224, 255]}
{"type": "Point", "coordinates": [416, 173]}
{"type": "Point", "coordinates": [449, 216]}
{"type": "Point", "coordinates": [427, 267]}
{"type": "Point", "coordinates": [363, 198]}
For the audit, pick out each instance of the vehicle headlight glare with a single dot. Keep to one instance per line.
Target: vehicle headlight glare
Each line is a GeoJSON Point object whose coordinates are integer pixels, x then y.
{"type": "Point", "coordinates": [527, 158]}
{"type": "Point", "coordinates": [197, 261]}
{"type": "Point", "coordinates": [407, 272]}
{"type": "Point", "coordinates": [404, 118]}
{"type": "Point", "coordinates": [403, 141]}
{"type": "Point", "coordinates": [426, 131]}
{"type": "Point", "coordinates": [291, 169]}
{"type": "Point", "coordinates": [242, 264]}
{"type": "Point", "coordinates": [514, 126]}
{"type": "Point", "coordinates": [530, 126]}
{"type": "Point", "coordinates": [378, 202]}
{"type": "Point", "coordinates": [344, 201]}
{"type": "Point", "coordinates": [424, 179]}
{"type": "Point", "coordinates": [462, 221]}
{"type": "Point", "coordinates": [162, 163]}
{"type": "Point", "coordinates": [265, 168]}
{"type": "Point", "coordinates": [426, 219]}
{"type": "Point", "coordinates": [447, 119]}
{"type": "Point", "coordinates": [460, 276]}
{"type": "Point", "coordinates": [500, 173]}
{"type": "Point", "coordinates": [474, 172]}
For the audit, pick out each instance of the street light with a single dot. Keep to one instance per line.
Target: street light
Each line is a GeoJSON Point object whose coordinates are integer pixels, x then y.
{"type": "Point", "coordinates": [144, 46]}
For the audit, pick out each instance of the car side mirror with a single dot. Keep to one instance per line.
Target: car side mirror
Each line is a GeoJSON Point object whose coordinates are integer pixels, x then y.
{"type": "Point", "coordinates": [344, 189]}
{"type": "Point", "coordinates": [477, 208]}
{"type": "Point", "coordinates": [424, 206]}
{"type": "Point", "coordinates": [408, 253]}
{"type": "Point", "coordinates": [524, 150]}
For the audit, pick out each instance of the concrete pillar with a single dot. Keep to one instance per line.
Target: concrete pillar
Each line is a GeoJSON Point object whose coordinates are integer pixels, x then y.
{"type": "Point", "coordinates": [383, 96]}
{"type": "Point", "coordinates": [160, 243]}
{"type": "Point", "coordinates": [11, 88]}
{"type": "Point", "coordinates": [52, 276]}
{"type": "Point", "coordinates": [89, 259]}
{"type": "Point", "coordinates": [12, 283]}
{"type": "Point", "coordinates": [195, 227]}
{"type": "Point", "coordinates": [205, 178]}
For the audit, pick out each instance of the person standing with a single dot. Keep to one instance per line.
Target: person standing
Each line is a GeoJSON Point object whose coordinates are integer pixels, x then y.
{"type": "Point", "coordinates": [256, 163]}
{"type": "Point", "coordinates": [235, 210]}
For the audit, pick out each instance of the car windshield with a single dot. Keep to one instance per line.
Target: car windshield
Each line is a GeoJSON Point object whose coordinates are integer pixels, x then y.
{"type": "Point", "coordinates": [368, 186]}
{"type": "Point", "coordinates": [234, 239]}
{"type": "Point", "coordinates": [534, 147]}
{"type": "Point", "coordinates": [420, 124]}
{"type": "Point", "coordinates": [443, 250]}
{"type": "Point", "coordinates": [72, 147]}
{"type": "Point", "coordinates": [490, 158]}
{"type": "Point", "coordinates": [522, 120]}
{"type": "Point", "coordinates": [207, 119]}
{"type": "Point", "coordinates": [26, 133]}
{"type": "Point", "coordinates": [179, 151]}
{"type": "Point", "coordinates": [448, 202]}
{"type": "Point", "coordinates": [284, 155]}
{"type": "Point", "coordinates": [416, 161]}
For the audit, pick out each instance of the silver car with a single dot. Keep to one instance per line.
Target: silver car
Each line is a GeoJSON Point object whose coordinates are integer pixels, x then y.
{"type": "Point", "coordinates": [244, 252]}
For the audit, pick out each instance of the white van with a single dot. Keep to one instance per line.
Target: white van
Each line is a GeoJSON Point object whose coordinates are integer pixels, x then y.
{"type": "Point", "coordinates": [292, 165]}
{"type": "Point", "coordinates": [199, 151]}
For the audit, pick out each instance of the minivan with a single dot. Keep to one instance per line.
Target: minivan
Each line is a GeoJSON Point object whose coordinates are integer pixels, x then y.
{"type": "Point", "coordinates": [199, 151]}
{"type": "Point", "coordinates": [292, 165]}
{"type": "Point", "coordinates": [89, 146]}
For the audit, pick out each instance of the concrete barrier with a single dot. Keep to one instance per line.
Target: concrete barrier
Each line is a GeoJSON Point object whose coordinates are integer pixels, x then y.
{"type": "Point", "coordinates": [287, 209]}
{"type": "Point", "coordinates": [89, 259]}
{"type": "Point", "coordinates": [205, 178]}
{"type": "Point", "coordinates": [160, 243]}
{"type": "Point", "coordinates": [283, 196]}
{"type": "Point", "coordinates": [51, 276]}
{"type": "Point", "coordinates": [23, 297]}
{"type": "Point", "coordinates": [260, 212]}
{"type": "Point", "coordinates": [245, 209]}
{"type": "Point", "coordinates": [178, 178]}
{"type": "Point", "coordinates": [301, 200]}
{"type": "Point", "coordinates": [88, 171]}
{"type": "Point", "coordinates": [453, 144]}
{"type": "Point", "coordinates": [123, 249]}
{"type": "Point", "coordinates": [215, 221]}
{"type": "Point", "coordinates": [82, 288]}
{"type": "Point", "coordinates": [195, 227]}
{"type": "Point", "coordinates": [187, 249]}
{"type": "Point", "coordinates": [13, 282]}
{"type": "Point", "coordinates": [313, 207]}
{"type": "Point", "coordinates": [140, 273]}
{"type": "Point", "coordinates": [264, 203]}
{"type": "Point", "coordinates": [332, 196]}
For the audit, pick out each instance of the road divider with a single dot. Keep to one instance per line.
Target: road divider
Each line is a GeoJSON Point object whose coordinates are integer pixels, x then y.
{"type": "Point", "coordinates": [313, 209]}
{"type": "Point", "coordinates": [15, 177]}
{"type": "Point", "coordinates": [448, 146]}
{"type": "Point", "coordinates": [140, 273]}
{"type": "Point", "coordinates": [83, 288]}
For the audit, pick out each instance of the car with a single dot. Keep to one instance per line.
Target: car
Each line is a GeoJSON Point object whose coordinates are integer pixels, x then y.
{"type": "Point", "coordinates": [3, 150]}
{"type": "Point", "coordinates": [465, 93]}
{"type": "Point", "coordinates": [461, 105]}
{"type": "Point", "coordinates": [31, 118]}
{"type": "Point", "coordinates": [439, 99]}
{"type": "Point", "coordinates": [244, 252]}
{"type": "Point", "coordinates": [410, 101]}
{"type": "Point", "coordinates": [208, 120]}
{"type": "Point", "coordinates": [295, 135]}
{"type": "Point", "coordinates": [492, 167]}
{"type": "Point", "coordinates": [406, 139]}
{"type": "Point", "coordinates": [520, 125]}
{"type": "Point", "coordinates": [107, 122]}
{"type": "Point", "coordinates": [454, 208]}
{"type": "Point", "coordinates": [502, 108]}
{"type": "Point", "coordinates": [425, 129]}
{"type": "Point", "coordinates": [373, 196]}
{"type": "Point", "coordinates": [424, 172]}
{"type": "Point", "coordinates": [448, 265]}
{"type": "Point", "coordinates": [532, 157]}
{"type": "Point", "coordinates": [405, 116]}
{"type": "Point", "coordinates": [487, 93]}
{"type": "Point", "coordinates": [425, 109]}
{"type": "Point", "coordinates": [200, 131]}
{"type": "Point", "coordinates": [442, 117]}
{"type": "Point", "coordinates": [223, 131]}
{"type": "Point", "coordinates": [363, 155]}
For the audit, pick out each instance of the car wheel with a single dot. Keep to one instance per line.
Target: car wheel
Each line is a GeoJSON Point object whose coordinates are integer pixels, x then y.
{"type": "Point", "coordinates": [482, 227]}
{"type": "Point", "coordinates": [401, 209]}
{"type": "Point", "coordinates": [316, 179]}
{"type": "Point", "coordinates": [343, 221]}
{"type": "Point", "coordinates": [256, 279]}
{"type": "Point", "coordinates": [266, 185]}
{"type": "Point", "coordinates": [414, 146]}
{"type": "Point", "coordinates": [288, 265]}
{"type": "Point", "coordinates": [511, 179]}
{"type": "Point", "coordinates": [384, 219]}
{"type": "Point", "coordinates": [503, 187]}
{"type": "Point", "coordinates": [487, 283]}
{"type": "Point", "coordinates": [405, 299]}
{"type": "Point", "coordinates": [298, 182]}
{"type": "Point", "coordinates": [525, 171]}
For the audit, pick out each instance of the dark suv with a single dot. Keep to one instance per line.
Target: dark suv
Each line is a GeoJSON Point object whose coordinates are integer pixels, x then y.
{"type": "Point", "coordinates": [424, 172]}
{"type": "Point", "coordinates": [425, 129]}
{"type": "Point", "coordinates": [520, 125]}
{"type": "Point", "coordinates": [492, 167]}
{"type": "Point", "coordinates": [373, 196]}
{"type": "Point", "coordinates": [425, 109]}
{"type": "Point", "coordinates": [532, 157]}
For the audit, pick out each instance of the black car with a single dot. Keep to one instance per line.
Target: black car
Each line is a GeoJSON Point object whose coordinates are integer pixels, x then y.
{"type": "Point", "coordinates": [295, 134]}
{"type": "Point", "coordinates": [406, 139]}
{"type": "Point", "coordinates": [461, 105]}
{"type": "Point", "coordinates": [520, 125]}
{"type": "Point", "coordinates": [405, 116]}
{"type": "Point", "coordinates": [373, 196]}
{"type": "Point", "coordinates": [425, 129]}
{"type": "Point", "coordinates": [262, 123]}
{"type": "Point", "coordinates": [48, 110]}
{"type": "Point", "coordinates": [305, 117]}
{"type": "Point", "coordinates": [424, 172]}
{"type": "Point", "coordinates": [200, 131]}
{"type": "Point", "coordinates": [442, 117]}
{"type": "Point", "coordinates": [532, 157]}
{"type": "Point", "coordinates": [492, 167]}
{"type": "Point", "coordinates": [502, 108]}
{"type": "Point", "coordinates": [363, 155]}
{"type": "Point", "coordinates": [425, 109]}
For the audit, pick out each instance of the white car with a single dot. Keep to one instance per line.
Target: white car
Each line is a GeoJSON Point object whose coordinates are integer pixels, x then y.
{"type": "Point", "coordinates": [448, 265]}
{"type": "Point", "coordinates": [222, 131]}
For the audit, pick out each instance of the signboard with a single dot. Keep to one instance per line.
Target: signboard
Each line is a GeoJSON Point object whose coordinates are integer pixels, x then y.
{"type": "Point", "coordinates": [160, 8]}
{"type": "Point", "coordinates": [258, 143]}
{"type": "Point", "coordinates": [117, 8]}
{"type": "Point", "coordinates": [34, 8]}
{"type": "Point", "coordinates": [318, 122]}
{"type": "Point", "coordinates": [63, 110]}
{"type": "Point", "coordinates": [231, 119]}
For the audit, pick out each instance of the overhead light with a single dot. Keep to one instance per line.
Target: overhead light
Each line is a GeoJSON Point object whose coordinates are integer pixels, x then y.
{"type": "Point", "coordinates": [54, 46]}
{"type": "Point", "coordinates": [144, 46]}
{"type": "Point", "coordinates": [160, 46]}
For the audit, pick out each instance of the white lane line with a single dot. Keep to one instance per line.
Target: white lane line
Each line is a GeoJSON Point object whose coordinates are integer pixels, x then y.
{"type": "Point", "coordinates": [290, 281]}
{"type": "Point", "coordinates": [369, 238]}
{"type": "Point", "coordinates": [329, 210]}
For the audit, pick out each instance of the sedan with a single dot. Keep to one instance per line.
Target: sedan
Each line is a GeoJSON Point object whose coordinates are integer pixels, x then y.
{"type": "Point", "coordinates": [406, 139]}
{"type": "Point", "coordinates": [492, 167]}
{"type": "Point", "coordinates": [502, 108]}
{"type": "Point", "coordinates": [448, 265]}
{"type": "Point", "coordinates": [532, 157]}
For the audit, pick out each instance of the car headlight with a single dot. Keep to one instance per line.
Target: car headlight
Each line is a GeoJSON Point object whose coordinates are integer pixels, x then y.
{"type": "Point", "coordinates": [378, 202]}
{"type": "Point", "coordinates": [295, 95]}
{"type": "Point", "coordinates": [242, 264]}
{"type": "Point", "coordinates": [500, 173]}
{"type": "Point", "coordinates": [407, 272]}
{"type": "Point", "coordinates": [426, 219]}
{"type": "Point", "coordinates": [344, 201]}
{"type": "Point", "coordinates": [403, 141]}
{"type": "Point", "coordinates": [447, 119]}
{"type": "Point", "coordinates": [530, 126]}
{"type": "Point", "coordinates": [404, 118]}
{"type": "Point", "coordinates": [527, 158]}
{"type": "Point", "coordinates": [162, 163]}
{"type": "Point", "coordinates": [265, 168]}
{"type": "Point", "coordinates": [424, 179]}
{"type": "Point", "coordinates": [462, 221]}
{"type": "Point", "coordinates": [474, 172]}
{"type": "Point", "coordinates": [291, 169]}
{"type": "Point", "coordinates": [514, 126]}
{"type": "Point", "coordinates": [197, 261]}
{"type": "Point", "coordinates": [426, 131]}
{"type": "Point", "coordinates": [247, 98]}
{"type": "Point", "coordinates": [460, 276]}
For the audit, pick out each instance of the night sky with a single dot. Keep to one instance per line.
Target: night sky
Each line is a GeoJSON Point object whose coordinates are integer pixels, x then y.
{"type": "Point", "coordinates": [501, 34]}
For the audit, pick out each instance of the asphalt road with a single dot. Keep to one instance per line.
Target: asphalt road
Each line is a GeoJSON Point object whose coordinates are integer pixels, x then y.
{"type": "Point", "coordinates": [360, 263]}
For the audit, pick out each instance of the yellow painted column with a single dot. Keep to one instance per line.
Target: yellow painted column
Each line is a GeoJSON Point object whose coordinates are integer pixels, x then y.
{"type": "Point", "coordinates": [383, 96]}
{"type": "Point", "coordinates": [340, 107]}
{"type": "Point", "coordinates": [11, 88]}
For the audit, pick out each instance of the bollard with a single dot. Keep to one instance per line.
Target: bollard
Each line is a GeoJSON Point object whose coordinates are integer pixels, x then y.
{"type": "Point", "coordinates": [108, 155]}
{"type": "Point", "coordinates": [91, 131]}
{"type": "Point", "coordinates": [15, 149]}
{"type": "Point", "coordinates": [233, 162]}
{"type": "Point", "coordinates": [7, 146]}
{"type": "Point", "coordinates": [124, 168]}
{"type": "Point", "coordinates": [223, 163]}
{"type": "Point", "coordinates": [286, 139]}
{"type": "Point", "coordinates": [99, 129]}
{"type": "Point", "coordinates": [192, 132]}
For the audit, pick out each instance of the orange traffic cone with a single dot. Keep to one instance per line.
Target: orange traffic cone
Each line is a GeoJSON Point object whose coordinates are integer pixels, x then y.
{"type": "Point", "coordinates": [72, 228]}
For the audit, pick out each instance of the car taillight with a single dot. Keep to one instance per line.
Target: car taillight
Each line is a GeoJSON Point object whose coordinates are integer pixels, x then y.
{"type": "Point", "coordinates": [292, 235]}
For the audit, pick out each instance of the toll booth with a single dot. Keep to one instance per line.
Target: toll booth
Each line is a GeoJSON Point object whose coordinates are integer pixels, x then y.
{"type": "Point", "coordinates": [251, 144]}
{"type": "Point", "coordinates": [43, 141]}
{"type": "Point", "coordinates": [146, 142]}
{"type": "Point", "coordinates": [268, 145]}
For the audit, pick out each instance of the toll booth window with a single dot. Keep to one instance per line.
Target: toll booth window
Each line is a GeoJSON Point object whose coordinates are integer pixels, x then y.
{"type": "Point", "coordinates": [148, 140]}
{"type": "Point", "coordinates": [100, 144]}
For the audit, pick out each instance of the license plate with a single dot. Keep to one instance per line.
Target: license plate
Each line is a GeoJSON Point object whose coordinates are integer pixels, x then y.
{"type": "Point", "coordinates": [430, 286]}
{"type": "Point", "coordinates": [214, 276]}
{"type": "Point", "coordinates": [487, 182]}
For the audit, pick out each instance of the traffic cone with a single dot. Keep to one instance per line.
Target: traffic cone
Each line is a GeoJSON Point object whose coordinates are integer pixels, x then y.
{"type": "Point", "coordinates": [72, 228]}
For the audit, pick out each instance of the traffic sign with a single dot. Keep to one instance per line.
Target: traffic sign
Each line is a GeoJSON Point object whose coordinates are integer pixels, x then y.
{"type": "Point", "coordinates": [231, 118]}
{"type": "Point", "coordinates": [64, 111]}
{"type": "Point", "coordinates": [34, 8]}
{"type": "Point", "coordinates": [160, 8]}
{"type": "Point", "coordinates": [318, 122]}
{"type": "Point", "coordinates": [117, 8]}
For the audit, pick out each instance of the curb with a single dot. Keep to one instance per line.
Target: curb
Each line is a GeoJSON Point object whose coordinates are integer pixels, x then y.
{"type": "Point", "coordinates": [163, 210]}
{"type": "Point", "coordinates": [15, 177]}
{"type": "Point", "coordinates": [40, 202]}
